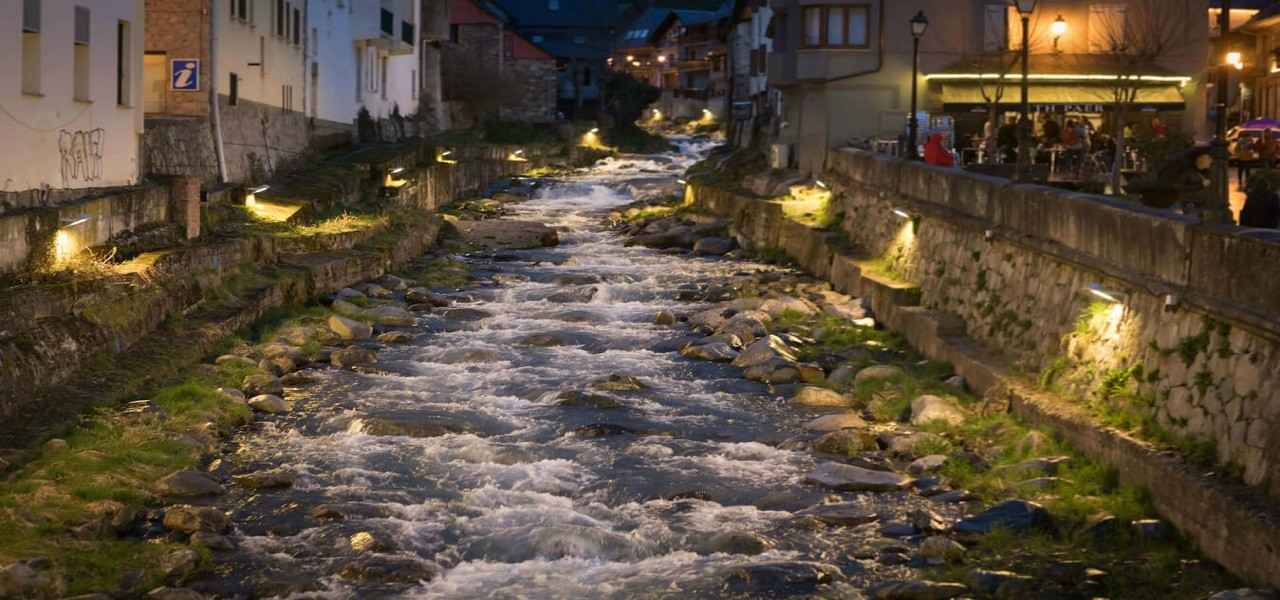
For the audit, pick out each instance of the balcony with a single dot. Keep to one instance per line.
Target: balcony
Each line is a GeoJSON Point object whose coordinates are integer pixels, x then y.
{"type": "Point", "coordinates": [382, 27]}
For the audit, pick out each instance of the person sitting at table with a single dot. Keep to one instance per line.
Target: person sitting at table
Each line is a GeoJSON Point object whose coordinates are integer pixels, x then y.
{"type": "Point", "coordinates": [936, 154]}
{"type": "Point", "coordinates": [1007, 140]}
{"type": "Point", "coordinates": [1265, 147]}
{"type": "Point", "coordinates": [1052, 132]}
{"type": "Point", "coordinates": [1071, 142]}
{"type": "Point", "coordinates": [1262, 204]}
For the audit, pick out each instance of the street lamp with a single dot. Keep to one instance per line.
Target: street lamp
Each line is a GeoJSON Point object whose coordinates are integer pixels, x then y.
{"type": "Point", "coordinates": [919, 24]}
{"type": "Point", "coordinates": [1025, 8]}
{"type": "Point", "coordinates": [1058, 28]}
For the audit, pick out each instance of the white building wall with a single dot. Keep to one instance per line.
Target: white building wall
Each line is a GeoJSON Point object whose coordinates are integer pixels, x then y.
{"type": "Point", "coordinates": [53, 140]}
{"type": "Point", "coordinates": [349, 53]}
{"type": "Point", "coordinates": [270, 67]}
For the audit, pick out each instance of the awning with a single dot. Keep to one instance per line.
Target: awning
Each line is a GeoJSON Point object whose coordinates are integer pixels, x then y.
{"type": "Point", "coordinates": [965, 97]}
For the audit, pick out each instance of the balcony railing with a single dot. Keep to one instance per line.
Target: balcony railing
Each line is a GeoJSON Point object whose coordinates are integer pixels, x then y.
{"type": "Point", "coordinates": [388, 23]}
{"type": "Point", "coordinates": [407, 32]}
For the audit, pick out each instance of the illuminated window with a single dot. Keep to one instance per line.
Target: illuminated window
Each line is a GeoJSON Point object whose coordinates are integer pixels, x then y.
{"type": "Point", "coordinates": [836, 26]}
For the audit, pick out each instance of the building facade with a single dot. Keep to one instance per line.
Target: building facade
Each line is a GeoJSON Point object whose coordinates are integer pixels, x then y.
{"type": "Point", "coordinates": [845, 68]}
{"type": "Point", "coordinates": [752, 103]}
{"type": "Point", "coordinates": [492, 71]}
{"type": "Point", "coordinates": [73, 107]}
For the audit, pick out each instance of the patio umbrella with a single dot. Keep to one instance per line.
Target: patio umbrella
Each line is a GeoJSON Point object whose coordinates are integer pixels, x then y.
{"type": "Point", "coordinates": [1261, 124]}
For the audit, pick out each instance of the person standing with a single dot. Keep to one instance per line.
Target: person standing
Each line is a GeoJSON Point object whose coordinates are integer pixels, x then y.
{"type": "Point", "coordinates": [1052, 132]}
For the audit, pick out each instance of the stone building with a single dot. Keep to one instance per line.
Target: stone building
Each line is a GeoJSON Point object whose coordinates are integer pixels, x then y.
{"type": "Point", "coordinates": [491, 70]}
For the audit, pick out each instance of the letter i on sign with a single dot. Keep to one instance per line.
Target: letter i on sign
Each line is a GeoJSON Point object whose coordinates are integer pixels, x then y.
{"type": "Point", "coordinates": [185, 75]}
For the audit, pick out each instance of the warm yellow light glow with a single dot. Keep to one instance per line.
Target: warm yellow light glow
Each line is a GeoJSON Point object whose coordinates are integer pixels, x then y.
{"type": "Point", "coordinates": [443, 157]}
{"type": "Point", "coordinates": [65, 246]}
{"type": "Point", "coordinates": [392, 181]}
{"type": "Point", "coordinates": [517, 156]}
{"type": "Point", "coordinates": [630, 58]}
{"type": "Point", "coordinates": [1179, 79]}
{"type": "Point", "coordinates": [707, 116]}
{"type": "Point", "coordinates": [902, 213]}
{"type": "Point", "coordinates": [662, 58]}
{"type": "Point", "coordinates": [657, 115]}
{"type": "Point", "coordinates": [1235, 59]}
{"type": "Point", "coordinates": [1059, 27]}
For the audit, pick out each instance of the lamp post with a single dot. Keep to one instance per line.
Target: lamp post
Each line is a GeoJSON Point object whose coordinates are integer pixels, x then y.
{"type": "Point", "coordinates": [1025, 8]}
{"type": "Point", "coordinates": [1217, 208]}
{"type": "Point", "coordinates": [919, 24]}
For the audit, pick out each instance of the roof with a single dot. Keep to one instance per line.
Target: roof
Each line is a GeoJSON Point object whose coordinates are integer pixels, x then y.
{"type": "Point", "coordinates": [1242, 4]}
{"type": "Point", "coordinates": [1065, 65]}
{"type": "Point", "coordinates": [639, 33]}
{"type": "Point", "coordinates": [1267, 17]}
{"type": "Point", "coordinates": [569, 49]}
{"type": "Point", "coordinates": [571, 13]}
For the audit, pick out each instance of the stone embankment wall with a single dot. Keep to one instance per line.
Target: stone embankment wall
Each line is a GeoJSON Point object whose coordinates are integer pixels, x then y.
{"type": "Point", "coordinates": [997, 278]}
{"type": "Point", "coordinates": [51, 332]}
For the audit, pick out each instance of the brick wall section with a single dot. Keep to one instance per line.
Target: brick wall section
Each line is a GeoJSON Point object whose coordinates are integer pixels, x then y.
{"type": "Point", "coordinates": [533, 99]}
{"type": "Point", "coordinates": [180, 28]}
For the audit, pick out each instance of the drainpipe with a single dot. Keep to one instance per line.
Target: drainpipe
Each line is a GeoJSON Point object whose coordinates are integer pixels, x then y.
{"type": "Point", "coordinates": [215, 113]}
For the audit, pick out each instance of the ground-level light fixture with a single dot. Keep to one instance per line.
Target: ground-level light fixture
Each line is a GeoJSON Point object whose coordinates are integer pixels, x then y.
{"type": "Point", "coordinates": [682, 182]}
{"type": "Point", "coordinates": [902, 213]}
{"type": "Point", "coordinates": [443, 157]}
{"type": "Point", "coordinates": [1097, 291]}
{"type": "Point", "coordinates": [397, 170]}
{"type": "Point", "coordinates": [630, 58]}
{"type": "Point", "coordinates": [259, 189]}
{"type": "Point", "coordinates": [69, 222]}
{"type": "Point", "coordinates": [1172, 301]}
{"type": "Point", "coordinates": [251, 198]}
{"type": "Point", "coordinates": [820, 184]}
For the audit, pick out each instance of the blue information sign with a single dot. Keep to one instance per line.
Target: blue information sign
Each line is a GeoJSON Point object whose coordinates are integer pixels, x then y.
{"type": "Point", "coordinates": [184, 75]}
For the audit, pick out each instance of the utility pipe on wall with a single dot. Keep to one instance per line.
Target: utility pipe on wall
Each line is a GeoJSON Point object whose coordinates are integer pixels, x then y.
{"type": "Point", "coordinates": [215, 120]}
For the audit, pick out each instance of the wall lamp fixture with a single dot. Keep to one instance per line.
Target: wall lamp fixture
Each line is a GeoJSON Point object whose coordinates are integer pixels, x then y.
{"type": "Point", "coordinates": [70, 222]}
{"type": "Point", "coordinates": [1104, 294]}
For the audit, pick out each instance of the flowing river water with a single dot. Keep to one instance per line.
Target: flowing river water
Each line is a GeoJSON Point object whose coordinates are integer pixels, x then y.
{"type": "Point", "coordinates": [692, 488]}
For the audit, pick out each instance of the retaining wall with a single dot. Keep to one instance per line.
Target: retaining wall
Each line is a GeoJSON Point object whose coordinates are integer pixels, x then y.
{"type": "Point", "coordinates": [996, 278]}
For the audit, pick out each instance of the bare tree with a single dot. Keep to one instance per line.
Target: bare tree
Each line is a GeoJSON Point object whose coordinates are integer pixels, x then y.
{"type": "Point", "coordinates": [996, 61]}
{"type": "Point", "coordinates": [479, 84]}
{"type": "Point", "coordinates": [1137, 41]}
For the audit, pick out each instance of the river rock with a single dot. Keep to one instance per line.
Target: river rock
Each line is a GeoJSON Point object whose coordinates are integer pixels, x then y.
{"type": "Point", "coordinates": [465, 314]}
{"type": "Point", "coordinates": [374, 290]}
{"type": "Point", "coordinates": [212, 541]}
{"type": "Point", "coordinates": [781, 304]}
{"type": "Point", "coordinates": [776, 371]}
{"type": "Point", "coordinates": [714, 246]}
{"type": "Point", "coordinates": [763, 351]}
{"type": "Point", "coordinates": [763, 579]}
{"type": "Point", "coordinates": [577, 279]}
{"type": "Point", "coordinates": [420, 295]}
{"type": "Point", "coordinates": [848, 420]}
{"type": "Point", "coordinates": [232, 360]}
{"type": "Point", "coordinates": [841, 377]}
{"type": "Point", "coordinates": [391, 316]}
{"type": "Point", "coordinates": [1000, 584]}
{"type": "Point", "coordinates": [665, 317]}
{"type": "Point", "coordinates": [543, 340]}
{"type": "Point", "coordinates": [1245, 594]}
{"type": "Point", "coordinates": [746, 326]}
{"type": "Point", "coordinates": [1152, 530]}
{"type": "Point", "coordinates": [708, 320]}
{"type": "Point", "coordinates": [600, 430]}
{"type": "Point", "coordinates": [393, 282]}
{"type": "Point", "coordinates": [171, 593]}
{"type": "Point", "coordinates": [379, 426]}
{"type": "Point", "coordinates": [877, 373]}
{"type": "Point", "coordinates": [576, 399]}
{"type": "Point", "coordinates": [256, 384]}
{"type": "Point", "coordinates": [938, 550]}
{"type": "Point", "coordinates": [1013, 515]}
{"type": "Point", "coordinates": [395, 337]}
{"type": "Point", "coordinates": [506, 234]}
{"type": "Point", "coordinates": [352, 357]}
{"type": "Point", "coordinates": [905, 444]}
{"type": "Point", "coordinates": [927, 464]}
{"type": "Point", "coordinates": [842, 514]}
{"type": "Point", "coordinates": [232, 395]}
{"type": "Point", "coordinates": [178, 565]}
{"type": "Point", "coordinates": [271, 479]}
{"type": "Point", "coordinates": [916, 590]}
{"type": "Point", "coordinates": [351, 295]}
{"type": "Point", "coordinates": [190, 519]}
{"type": "Point", "coordinates": [188, 484]}
{"type": "Point", "coordinates": [618, 383]}
{"type": "Point", "coordinates": [387, 569]}
{"type": "Point", "coordinates": [26, 579]}
{"type": "Point", "coordinates": [739, 542]}
{"type": "Point", "coordinates": [580, 295]}
{"type": "Point", "coordinates": [365, 541]}
{"type": "Point", "coordinates": [846, 442]}
{"type": "Point", "coordinates": [935, 409]}
{"type": "Point", "coordinates": [714, 352]}
{"type": "Point", "coordinates": [269, 403]}
{"type": "Point", "coordinates": [346, 309]}
{"type": "Point", "coordinates": [819, 397]}
{"type": "Point", "coordinates": [848, 478]}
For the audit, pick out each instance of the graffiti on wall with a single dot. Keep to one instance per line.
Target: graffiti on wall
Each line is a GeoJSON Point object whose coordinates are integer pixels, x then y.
{"type": "Point", "coordinates": [81, 153]}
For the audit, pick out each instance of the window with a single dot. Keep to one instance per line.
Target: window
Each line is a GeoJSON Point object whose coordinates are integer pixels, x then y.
{"type": "Point", "coordinates": [286, 98]}
{"type": "Point", "coordinates": [836, 26]}
{"type": "Point", "coordinates": [553, 4]}
{"type": "Point", "coordinates": [80, 69]}
{"type": "Point", "coordinates": [281, 18]}
{"type": "Point", "coordinates": [297, 27]}
{"type": "Point", "coordinates": [31, 47]}
{"type": "Point", "coordinates": [383, 77]}
{"type": "Point", "coordinates": [579, 39]}
{"type": "Point", "coordinates": [454, 33]}
{"type": "Point", "coordinates": [233, 90]}
{"type": "Point", "coordinates": [359, 74]}
{"type": "Point", "coordinates": [995, 36]}
{"type": "Point", "coordinates": [1108, 28]}
{"type": "Point", "coordinates": [240, 10]}
{"type": "Point", "coordinates": [124, 64]}
{"type": "Point", "coordinates": [413, 81]}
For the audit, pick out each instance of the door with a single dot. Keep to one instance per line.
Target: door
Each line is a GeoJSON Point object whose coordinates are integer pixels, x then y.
{"type": "Point", "coordinates": [155, 81]}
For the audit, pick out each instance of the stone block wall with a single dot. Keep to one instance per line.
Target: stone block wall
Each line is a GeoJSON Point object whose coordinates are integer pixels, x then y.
{"type": "Point", "coordinates": [1016, 264]}
{"type": "Point", "coordinates": [528, 91]}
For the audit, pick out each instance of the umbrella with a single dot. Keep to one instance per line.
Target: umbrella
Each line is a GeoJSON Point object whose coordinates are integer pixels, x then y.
{"type": "Point", "coordinates": [1261, 124]}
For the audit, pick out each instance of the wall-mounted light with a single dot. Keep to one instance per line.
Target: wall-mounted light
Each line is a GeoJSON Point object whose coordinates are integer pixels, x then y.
{"type": "Point", "coordinates": [1097, 291]}
{"type": "Point", "coordinates": [397, 170]}
{"type": "Point", "coordinates": [820, 184]}
{"type": "Point", "coordinates": [251, 198]}
{"type": "Point", "coordinates": [682, 182]}
{"type": "Point", "coordinates": [443, 157]}
{"type": "Point", "coordinates": [1058, 29]}
{"type": "Point", "coordinates": [902, 213]}
{"type": "Point", "coordinates": [662, 58]}
{"type": "Point", "coordinates": [259, 189]}
{"type": "Point", "coordinates": [1235, 59]}
{"type": "Point", "coordinates": [989, 235]}
{"type": "Point", "coordinates": [70, 222]}
{"type": "Point", "coordinates": [517, 156]}
{"type": "Point", "coordinates": [1172, 302]}
{"type": "Point", "coordinates": [594, 130]}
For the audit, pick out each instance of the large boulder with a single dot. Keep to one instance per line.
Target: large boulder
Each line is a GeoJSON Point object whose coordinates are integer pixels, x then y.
{"type": "Point", "coordinates": [349, 329]}
{"type": "Point", "coordinates": [917, 589]}
{"type": "Point", "coordinates": [846, 442]}
{"type": "Point", "coordinates": [746, 326]}
{"type": "Point", "coordinates": [819, 397]}
{"type": "Point", "coordinates": [764, 350]}
{"type": "Point", "coordinates": [186, 484]}
{"type": "Point", "coordinates": [190, 519]}
{"type": "Point", "coordinates": [1011, 515]}
{"type": "Point", "coordinates": [877, 373]}
{"type": "Point", "coordinates": [935, 409]}
{"type": "Point", "coordinates": [836, 422]}
{"type": "Point", "coordinates": [842, 514]}
{"type": "Point", "coordinates": [714, 352]}
{"type": "Point", "coordinates": [391, 316]}
{"type": "Point", "coordinates": [387, 427]}
{"type": "Point", "coordinates": [714, 246]}
{"type": "Point", "coordinates": [260, 383]}
{"type": "Point", "coordinates": [848, 478]}
{"type": "Point", "coordinates": [269, 403]}
{"type": "Point", "coordinates": [506, 234]}
{"type": "Point", "coordinates": [776, 371]}
{"type": "Point", "coordinates": [347, 358]}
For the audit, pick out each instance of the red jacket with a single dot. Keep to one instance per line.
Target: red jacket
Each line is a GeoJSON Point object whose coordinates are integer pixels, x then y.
{"type": "Point", "coordinates": [936, 154]}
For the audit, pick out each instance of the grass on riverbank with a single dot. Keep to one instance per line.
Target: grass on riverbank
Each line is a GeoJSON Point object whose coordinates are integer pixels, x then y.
{"type": "Point", "coordinates": [997, 458]}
